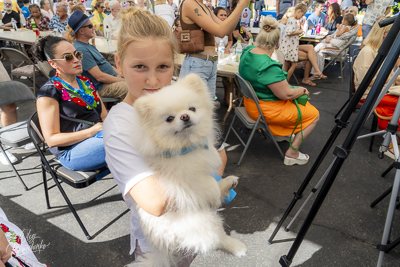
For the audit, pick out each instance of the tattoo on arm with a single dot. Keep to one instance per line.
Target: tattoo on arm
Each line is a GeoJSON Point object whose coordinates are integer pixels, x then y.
{"type": "Point", "coordinates": [196, 10]}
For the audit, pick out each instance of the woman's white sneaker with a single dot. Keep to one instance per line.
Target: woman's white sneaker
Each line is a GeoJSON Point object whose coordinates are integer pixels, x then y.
{"type": "Point", "coordinates": [10, 156]}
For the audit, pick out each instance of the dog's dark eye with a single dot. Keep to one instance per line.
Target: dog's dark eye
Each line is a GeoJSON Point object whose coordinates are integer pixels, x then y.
{"type": "Point", "coordinates": [170, 119]}
{"type": "Point", "coordinates": [192, 109]}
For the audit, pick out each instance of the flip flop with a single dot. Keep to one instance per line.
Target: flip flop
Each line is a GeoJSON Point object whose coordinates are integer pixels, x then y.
{"type": "Point", "coordinates": [309, 83]}
{"type": "Point", "coordinates": [301, 160]}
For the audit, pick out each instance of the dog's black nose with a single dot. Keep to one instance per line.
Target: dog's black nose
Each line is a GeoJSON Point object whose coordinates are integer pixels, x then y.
{"type": "Point", "coordinates": [185, 117]}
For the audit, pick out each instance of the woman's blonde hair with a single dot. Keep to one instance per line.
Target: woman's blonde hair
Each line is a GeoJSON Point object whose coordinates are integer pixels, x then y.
{"type": "Point", "coordinates": [137, 25]}
{"type": "Point", "coordinates": [374, 38]}
{"type": "Point", "coordinates": [354, 8]}
{"type": "Point", "coordinates": [269, 33]}
{"type": "Point", "coordinates": [301, 7]}
{"type": "Point", "coordinates": [69, 33]}
{"type": "Point", "coordinates": [159, 2]}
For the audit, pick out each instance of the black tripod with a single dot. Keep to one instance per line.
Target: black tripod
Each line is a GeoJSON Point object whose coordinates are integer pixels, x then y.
{"type": "Point", "coordinates": [341, 152]}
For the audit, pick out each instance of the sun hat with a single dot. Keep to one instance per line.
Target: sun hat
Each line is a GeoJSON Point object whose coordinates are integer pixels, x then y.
{"type": "Point", "coordinates": [76, 20]}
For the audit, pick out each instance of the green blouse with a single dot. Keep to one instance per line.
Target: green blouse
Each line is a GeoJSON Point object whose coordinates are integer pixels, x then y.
{"type": "Point", "coordinates": [261, 70]}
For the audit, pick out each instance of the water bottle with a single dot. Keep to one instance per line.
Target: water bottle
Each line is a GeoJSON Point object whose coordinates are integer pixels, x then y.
{"type": "Point", "coordinates": [14, 24]}
{"type": "Point", "coordinates": [318, 28]}
{"type": "Point", "coordinates": [107, 33]}
{"type": "Point", "coordinates": [221, 49]}
{"type": "Point", "coordinates": [251, 41]}
{"type": "Point", "coordinates": [238, 50]}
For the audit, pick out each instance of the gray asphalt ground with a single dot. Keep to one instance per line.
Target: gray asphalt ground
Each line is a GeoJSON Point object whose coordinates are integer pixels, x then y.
{"type": "Point", "coordinates": [344, 233]}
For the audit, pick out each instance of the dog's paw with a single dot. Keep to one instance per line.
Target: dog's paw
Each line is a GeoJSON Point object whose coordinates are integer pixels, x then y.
{"type": "Point", "coordinates": [234, 246]}
{"type": "Point", "coordinates": [227, 184]}
{"type": "Point", "coordinates": [234, 180]}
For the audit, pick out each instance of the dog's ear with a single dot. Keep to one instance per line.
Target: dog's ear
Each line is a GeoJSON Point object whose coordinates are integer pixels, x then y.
{"type": "Point", "coordinates": [142, 106]}
{"type": "Point", "coordinates": [194, 82]}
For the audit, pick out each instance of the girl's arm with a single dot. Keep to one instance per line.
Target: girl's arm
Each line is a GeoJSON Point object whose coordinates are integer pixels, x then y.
{"type": "Point", "coordinates": [191, 11]}
{"type": "Point", "coordinates": [343, 29]}
{"type": "Point", "coordinates": [290, 27]}
{"type": "Point", "coordinates": [48, 111]}
{"type": "Point", "coordinates": [282, 90]}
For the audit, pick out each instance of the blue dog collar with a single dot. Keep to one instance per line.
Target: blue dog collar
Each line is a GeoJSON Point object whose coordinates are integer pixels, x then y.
{"type": "Point", "coordinates": [168, 154]}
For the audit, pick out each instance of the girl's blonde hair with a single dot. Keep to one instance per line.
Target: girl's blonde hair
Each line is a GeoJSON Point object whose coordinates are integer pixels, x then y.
{"type": "Point", "coordinates": [269, 33]}
{"type": "Point", "coordinates": [159, 2]}
{"type": "Point", "coordinates": [301, 7]}
{"type": "Point", "coordinates": [289, 13]}
{"type": "Point", "coordinates": [138, 24]}
{"type": "Point", "coordinates": [374, 38]}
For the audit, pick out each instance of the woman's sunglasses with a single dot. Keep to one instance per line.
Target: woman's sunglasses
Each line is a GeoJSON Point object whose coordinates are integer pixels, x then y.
{"type": "Point", "coordinates": [69, 58]}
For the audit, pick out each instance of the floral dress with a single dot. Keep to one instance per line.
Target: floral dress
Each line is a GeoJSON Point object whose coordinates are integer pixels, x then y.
{"type": "Point", "coordinates": [290, 44]}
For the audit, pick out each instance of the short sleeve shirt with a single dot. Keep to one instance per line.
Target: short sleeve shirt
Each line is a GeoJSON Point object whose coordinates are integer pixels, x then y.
{"type": "Point", "coordinates": [313, 20]}
{"type": "Point", "coordinates": [91, 58]}
{"type": "Point", "coordinates": [127, 166]}
{"type": "Point", "coordinates": [260, 71]}
{"type": "Point", "coordinates": [72, 107]}
{"type": "Point", "coordinates": [25, 11]}
{"type": "Point", "coordinates": [55, 23]}
{"type": "Point", "coordinates": [7, 18]}
{"type": "Point", "coordinates": [374, 10]}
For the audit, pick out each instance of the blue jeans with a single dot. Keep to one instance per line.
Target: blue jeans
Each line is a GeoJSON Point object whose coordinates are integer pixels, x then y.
{"type": "Point", "coordinates": [206, 69]}
{"type": "Point", "coordinates": [85, 156]}
{"type": "Point", "coordinates": [365, 30]}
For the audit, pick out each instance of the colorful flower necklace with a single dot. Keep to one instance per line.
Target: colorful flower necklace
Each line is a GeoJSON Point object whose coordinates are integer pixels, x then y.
{"type": "Point", "coordinates": [86, 91]}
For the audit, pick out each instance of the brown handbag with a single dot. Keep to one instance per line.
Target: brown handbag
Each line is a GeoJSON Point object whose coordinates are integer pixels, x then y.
{"type": "Point", "coordinates": [190, 41]}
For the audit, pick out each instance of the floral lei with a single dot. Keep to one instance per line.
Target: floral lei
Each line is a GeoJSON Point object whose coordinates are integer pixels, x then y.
{"type": "Point", "coordinates": [86, 91]}
{"type": "Point", "coordinates": [14, 238]}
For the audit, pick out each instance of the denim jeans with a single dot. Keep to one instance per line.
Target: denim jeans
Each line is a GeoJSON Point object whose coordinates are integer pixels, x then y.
{"type": "Point", "coordinates": [206, 69]}
{"type": "Point", "coordinates": [85, 156]}
{"type": "Point", "coordinates": [365, 30]}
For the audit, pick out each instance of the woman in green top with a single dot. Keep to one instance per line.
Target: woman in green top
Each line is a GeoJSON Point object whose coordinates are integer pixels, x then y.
{"type": "Point", "coordinates": [274, 92]}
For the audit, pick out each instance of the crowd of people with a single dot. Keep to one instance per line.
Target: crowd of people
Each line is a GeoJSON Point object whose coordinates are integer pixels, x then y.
{"type": "Point", "coordinates": [69, 105]}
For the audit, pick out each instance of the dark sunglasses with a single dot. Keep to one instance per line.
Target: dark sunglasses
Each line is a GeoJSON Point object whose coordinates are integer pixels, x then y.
{"type": "Point", "coordinates": [102, 7]}
{"type": "Point", "coordinates": [88, 26]}
{"type": "Point", "coordinates": [69, 58]}
{"type": "Point", "coordinates": [7, 4]}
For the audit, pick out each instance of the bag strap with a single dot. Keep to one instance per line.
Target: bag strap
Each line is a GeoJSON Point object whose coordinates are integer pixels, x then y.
{"type": "Point", "coordinates": [299, 117]}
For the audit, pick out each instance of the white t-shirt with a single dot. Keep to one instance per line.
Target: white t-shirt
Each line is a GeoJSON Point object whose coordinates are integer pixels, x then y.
{"type": "Point", "coordinates": [166, 12]}
{"type": "Point", "coordinates": [114, 24]}
{"type": "Point", "coordinates": [126, 165]}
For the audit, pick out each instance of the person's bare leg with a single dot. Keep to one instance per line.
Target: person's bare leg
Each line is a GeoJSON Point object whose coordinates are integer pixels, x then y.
{"type": "Point", "coordinates": [311, 56]}
{"type": "Point", "coordinates": [9, 114]}
{"type": "Point", "coordinates": [286, 66]}
{"type": "Point", "coordinates": [306, 77]}
{"type": "Point", "coordinates": [294, 153]}
{"type": "Point", "coordinates": [224, 159]}
{"type": "Point", "coordinates": [291, 70]}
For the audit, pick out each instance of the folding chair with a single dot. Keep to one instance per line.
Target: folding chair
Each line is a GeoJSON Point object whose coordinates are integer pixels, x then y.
{"type": "Point", "coordinates": [14, 135]}
{"type": "Point", "coordinates": [21, 65]}
{"type": "Point", "coordinates": [241, 113]}
{"type": "Point", "coordinates": [341, 56]}
{"type": "Point", "coordinates": [76, 179]}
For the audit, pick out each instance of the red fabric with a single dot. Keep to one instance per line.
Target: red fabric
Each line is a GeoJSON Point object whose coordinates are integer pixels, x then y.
{"type": "Point", "coordinates": [386, 108]}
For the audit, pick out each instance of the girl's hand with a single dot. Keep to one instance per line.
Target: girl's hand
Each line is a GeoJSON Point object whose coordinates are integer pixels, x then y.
{"type": "Point", "coordinates": [96, 128]}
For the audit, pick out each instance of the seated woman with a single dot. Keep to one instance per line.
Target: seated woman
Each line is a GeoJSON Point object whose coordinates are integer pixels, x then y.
{"type": "Point", "coordinates": [372, 42]}
{"type": "Point", "coordinates": [41, 22]}
{"type": "Point", "coordinates": [294, 52]}
{"type": "Point", "coordinates": [70, 112]}
{"type": "Point", "coordinates": [334, 19]}
{"type": "Point", "coordinates": [272, 88]}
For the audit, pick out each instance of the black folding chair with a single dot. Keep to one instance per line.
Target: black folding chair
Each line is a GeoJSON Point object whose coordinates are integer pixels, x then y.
{"type": "Point", "coordinates": [76, 179]}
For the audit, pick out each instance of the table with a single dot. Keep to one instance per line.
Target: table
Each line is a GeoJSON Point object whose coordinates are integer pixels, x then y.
{"type": "Point", "coordinates": [313, 38]}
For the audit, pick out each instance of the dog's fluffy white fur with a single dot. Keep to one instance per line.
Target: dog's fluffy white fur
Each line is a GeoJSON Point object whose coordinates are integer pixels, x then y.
{"type": "Point", "coordinates": [178, 117]}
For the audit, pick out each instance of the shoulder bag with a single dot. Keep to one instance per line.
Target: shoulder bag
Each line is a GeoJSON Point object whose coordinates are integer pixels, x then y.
{"type": "Point", "coordinates": [190, 41]}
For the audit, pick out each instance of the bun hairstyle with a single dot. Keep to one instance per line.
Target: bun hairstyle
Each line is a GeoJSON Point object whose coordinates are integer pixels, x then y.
{"type": "Point", "coordinates": [138, 24]}
{"type": "Point", "coordinates": [350, 19]}
{"type": "Point", "coordinates": [269, 33]}
{"type": "Point", "coordinates": [44, 49]}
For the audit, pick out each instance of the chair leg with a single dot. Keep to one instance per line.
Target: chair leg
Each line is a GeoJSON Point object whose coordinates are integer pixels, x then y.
{"type": "Point", "coordinates": [373, 129]}
{"type": "Point", "coordinates": [13, 168]}
{"type": "Point", "coordinates": [71, 207]}
{"type": "Point", "coordinates": [247, 145]}
{"type": "Point", "coordinates": [46, 189]}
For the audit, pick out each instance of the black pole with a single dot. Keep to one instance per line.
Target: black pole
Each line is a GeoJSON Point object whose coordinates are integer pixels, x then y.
{"type": "Point", "coordinates": [341, 123]}
{"type": "Point", "coordinates": [342, 152]}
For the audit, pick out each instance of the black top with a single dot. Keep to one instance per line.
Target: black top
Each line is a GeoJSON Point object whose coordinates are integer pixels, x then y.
{"type": "Point", "coordinates": [238, 27]}
{"type": "Point", "coordinates": [71, 107]}
{"type": "Point", "coordinates": [331, 27]}
{"type": "Point", "coordinates": [7, 18]}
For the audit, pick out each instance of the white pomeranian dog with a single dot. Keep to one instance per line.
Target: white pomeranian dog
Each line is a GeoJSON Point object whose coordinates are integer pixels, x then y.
{"type": "Point", "coordinates": [176, 137]}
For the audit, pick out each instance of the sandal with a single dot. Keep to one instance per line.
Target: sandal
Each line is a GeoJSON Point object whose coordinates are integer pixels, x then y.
{"type": "Point", "coordinates": [309, 83]}
{"type": "Point", "coordinates": [320, 76]}
{"type": "Point", "coordinates": [301, 160]}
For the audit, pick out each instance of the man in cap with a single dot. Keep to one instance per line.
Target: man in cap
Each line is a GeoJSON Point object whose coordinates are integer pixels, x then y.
{"type": "Point", "coordinates": [95, 66]}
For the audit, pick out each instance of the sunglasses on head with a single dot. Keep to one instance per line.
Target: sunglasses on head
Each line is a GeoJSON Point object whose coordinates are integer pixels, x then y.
{"type": "Point", "coordinates": [88, 26]}
{"type": "Point", "coordinates": [69, 58]}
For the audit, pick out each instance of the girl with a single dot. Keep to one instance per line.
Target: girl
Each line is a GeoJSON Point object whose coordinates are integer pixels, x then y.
{"type": "Point", "coordinates": [36, 17]}
{"type": "Point", "coordinates": [77, 144]}
{"type": "Point", "coordinates": [274, 92]}
{"type": "Point", "coordinates": [293, 52]}
{"type": "Point", "coordinates": [145, 58]}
